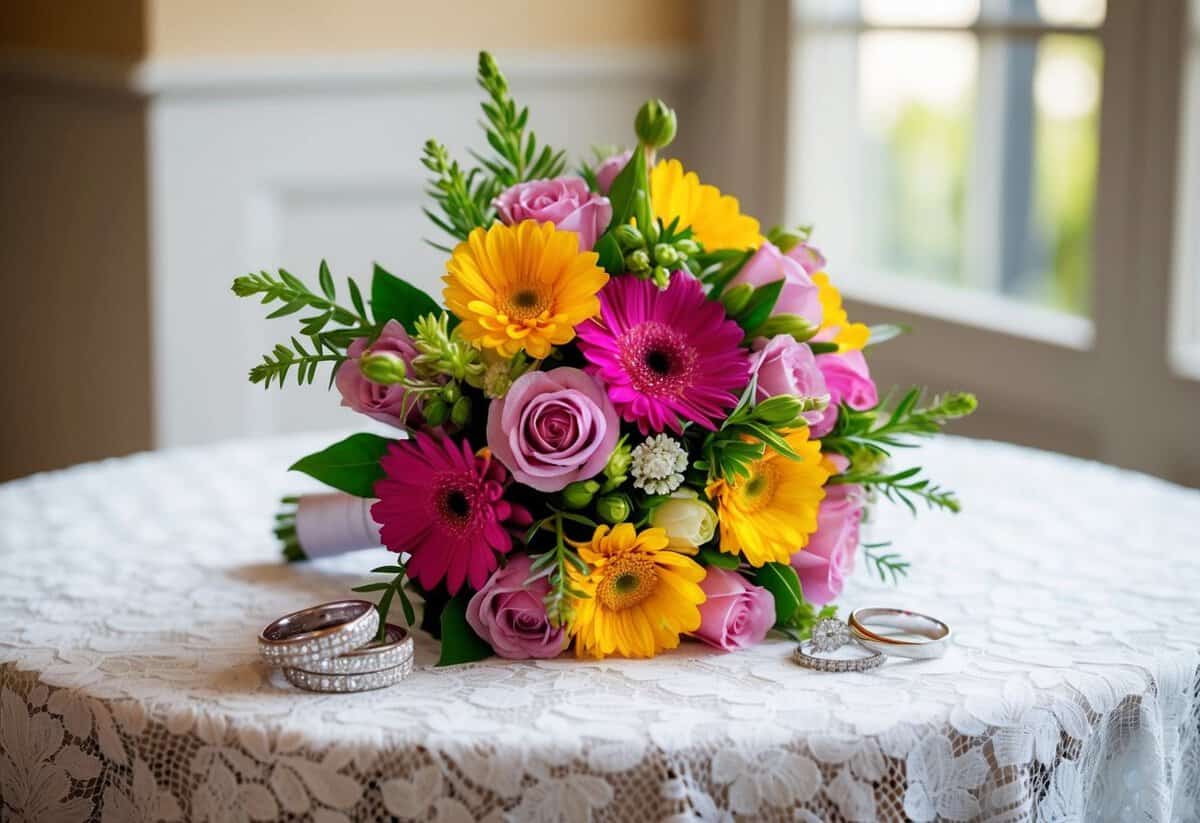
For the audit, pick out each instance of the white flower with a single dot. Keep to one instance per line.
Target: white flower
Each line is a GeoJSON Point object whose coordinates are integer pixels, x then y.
{"type": "Point", "coordinates": [658, 465]}
{"type": "Point", "coordinates": [688, 521]}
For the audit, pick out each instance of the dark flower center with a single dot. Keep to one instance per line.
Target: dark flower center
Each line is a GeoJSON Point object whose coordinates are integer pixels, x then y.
{"type": "Point", "coordinates": [525, 299]}
{"type": "Point", "coordinates": [659, 360]}
{"type": "Point", "coordinates": [457, 503]}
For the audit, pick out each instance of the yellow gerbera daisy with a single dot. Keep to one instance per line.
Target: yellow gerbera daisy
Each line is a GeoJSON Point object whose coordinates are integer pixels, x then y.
{"type": "Point", "coordinates": [522, 287]}
{"type": "Point", "coordinates": [769, 516]}
{"type": "Point", "coordinates": [835, 324]}
{"type": "Point", "coordinates": [716, 219]}
{"type": "Point", "coordinates": [642, 595]}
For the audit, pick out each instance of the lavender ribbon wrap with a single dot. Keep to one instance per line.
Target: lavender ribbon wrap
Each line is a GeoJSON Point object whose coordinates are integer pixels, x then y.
{"type": "Point", "coordinates": [333, 524]}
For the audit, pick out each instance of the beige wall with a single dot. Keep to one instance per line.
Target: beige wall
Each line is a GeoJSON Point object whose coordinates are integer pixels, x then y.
{"type": "Point", "coordinates": [196, 28]}
{"type": "Point", "coordinates": [74, 272]}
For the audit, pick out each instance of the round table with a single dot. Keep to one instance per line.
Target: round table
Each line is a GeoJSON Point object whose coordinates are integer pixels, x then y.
{"type": "Point", "coordinates": [131, 592]}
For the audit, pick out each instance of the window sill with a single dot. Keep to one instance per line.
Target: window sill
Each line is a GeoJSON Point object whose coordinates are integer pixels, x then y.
{"type": "Point", "coordinates": [973, 309]}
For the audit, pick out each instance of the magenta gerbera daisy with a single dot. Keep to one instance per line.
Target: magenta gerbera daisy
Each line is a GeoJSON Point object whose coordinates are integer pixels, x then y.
{"type": "Point", "coordinates": [445, 507]}
{"type": "Point", "coordinates": [665, 356]}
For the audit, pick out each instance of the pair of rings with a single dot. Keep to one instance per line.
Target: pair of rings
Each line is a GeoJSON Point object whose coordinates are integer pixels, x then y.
{"type": "Point", "coordinates": [334, 647]}
{"type": "Point", "coordinates": [921, 637]}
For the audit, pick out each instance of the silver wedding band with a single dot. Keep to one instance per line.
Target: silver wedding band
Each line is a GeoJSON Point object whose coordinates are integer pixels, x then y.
{"type": "Point", "coordinates": [332, 648]}
{"type": "Point", "coordinates": [934, 635]}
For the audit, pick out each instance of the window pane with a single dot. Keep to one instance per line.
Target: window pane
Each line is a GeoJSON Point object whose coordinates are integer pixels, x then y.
{"type": "Point", "coordinates": [1066, 144]}
{"type": "Point", "coordinates": [958, 158]}
{"type": "Point", "coordinates": [920, 12]}
{"type": "Point", "coordinates": [916, 100]}
{"type": "Point", "coordinates": [1074, 13]}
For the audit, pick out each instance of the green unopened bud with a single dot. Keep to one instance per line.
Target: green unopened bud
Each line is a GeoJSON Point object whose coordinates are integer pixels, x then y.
{"type": "Point", "coordinates": [665, 255]}
{"type": "Point", "coordinates": [780, 410]}
{"type": "Point", "coordinates": [735, 299]}
{"type": "Point", "coordinates": [460, 412]}
{"type": "Point", "coordinates": [784, 239]}
{"type": "Point", "coordinates": [385, 367]}
{"type": "Point", "coordinates": [628, 237]}
{"type": "Point", "coordinates": [451, 392]}
{"type": "Point", "coordinates": [958, 404]}
{"type": "Point", "coordinates": [489, 73]}
{"type": "Point", "coordinates": [798, 327]}
{"type": "Point", "coordinates": [614, 508]}
{"type": "Point", "coordinates": [662, 276]}
{"type": "Point", "coordinates": [616, 469]}
{"type": "Point", "coordinates": [655, 124]}
{"type": "Point", "coordinates": [687, 246]}
{"type": "Point", "coordinates": [638, 262]}
{"type": "Point", "coordinates": [580, 493]}
{"type": "Point", "coordinates": [436, 412]}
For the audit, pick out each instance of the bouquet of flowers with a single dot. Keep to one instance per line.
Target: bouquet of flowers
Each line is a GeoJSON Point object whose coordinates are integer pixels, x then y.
{"type": "Point", "coordinates": [636, 418]}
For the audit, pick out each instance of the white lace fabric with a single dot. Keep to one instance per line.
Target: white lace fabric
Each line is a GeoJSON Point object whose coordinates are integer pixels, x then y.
{"type": "Point", "coordinates": [131, 592]}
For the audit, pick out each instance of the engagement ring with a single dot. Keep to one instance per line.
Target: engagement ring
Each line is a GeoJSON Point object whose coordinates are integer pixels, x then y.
{"type": "Point", "coordinates": [830, 635]}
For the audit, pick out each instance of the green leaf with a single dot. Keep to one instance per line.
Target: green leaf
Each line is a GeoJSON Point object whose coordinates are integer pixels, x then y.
{"type": "Point", "coordinates": [351, 466]}
{"type": "Point", "coordinates": [611, 259]}
{"type": "Point", "coordinates": [712, 557]}
{"type": "Point", "coordinates": [885, 332]}
{"type": "Point", "coordinates": [783, 584]}
{"type": "Point", "coordinates": [759, 308]}
{"type": "Point", "coordinates": [326, 280]}
{"type": "Point", "coordinates": [396, 299]}
{"type": "Point", "coordinates": [460, 644]}
{"type": "Point", "coordinates": [623, 192]}
{"type": "Point", "coordinates": [822, 348]}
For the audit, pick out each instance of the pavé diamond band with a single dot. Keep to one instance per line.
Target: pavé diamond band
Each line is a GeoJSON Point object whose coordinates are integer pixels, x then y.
{"type": "Point", "coordinates": [302, 638]}
{"type": "Point", "coordinates": [394, 650]}
{"type": "Point", "coordinates": [315, 682]}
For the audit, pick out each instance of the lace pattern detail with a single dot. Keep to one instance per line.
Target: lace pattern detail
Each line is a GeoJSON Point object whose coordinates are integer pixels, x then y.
{"type": "Point", "coordinates": [130, 689]}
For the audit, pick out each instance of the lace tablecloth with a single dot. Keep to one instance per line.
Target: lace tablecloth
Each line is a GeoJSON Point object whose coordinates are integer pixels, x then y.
{"type": "Point", "coordinates": [131, 592]}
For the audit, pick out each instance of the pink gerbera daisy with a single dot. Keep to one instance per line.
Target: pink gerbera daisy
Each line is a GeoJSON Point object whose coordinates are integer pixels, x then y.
{"type": "Point", "coordinates": [444, 506]}
{"type": "Point", "coordinates": [665, 355]}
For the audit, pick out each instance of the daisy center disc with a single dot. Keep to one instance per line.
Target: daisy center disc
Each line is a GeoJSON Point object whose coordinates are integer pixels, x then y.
{"type": "Point", "coordinates": [524, 303]}
{"type": "Point", "coordinates": [658, 359]}
{"type": "Point", "coordinates": [627, 581]}
{"type": "Point", "coordinates": [454, 498]}
{"type": "Point", "coordinates": [757, 491]}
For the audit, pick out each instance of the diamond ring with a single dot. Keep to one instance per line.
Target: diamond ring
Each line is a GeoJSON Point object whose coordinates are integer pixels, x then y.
{"type": "Point", "coordinates": [302, 638]}
{"type": "Point", "coordinates": [830, 635]}
{"type": "Point", "coordinates": [395, 649]}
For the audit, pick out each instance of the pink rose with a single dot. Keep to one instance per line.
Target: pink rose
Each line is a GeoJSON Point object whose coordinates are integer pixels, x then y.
{"type": "Point", "coordinates": [799, 296]}
{"type": "Point", "coordinates": [607, 171]}
{"type": "Point", "coordinates": [784, 366]}
{"type": "Point", "coordinates": [825, 562]}
{"type": "Point", "coordinates": [553, 428]}
{"type": "Point", "coordinates": [564, 201]}
{"type": "Point", "coordinates": [807, 256]}
{"type": "Point", "coordinates": [384, 403]}
{"type": "Point", "coordinates": [511, 616]}
{"type": "Point", "coordinates": [737, 614]}
{"type": "Point", "coordinates": [849, 381]}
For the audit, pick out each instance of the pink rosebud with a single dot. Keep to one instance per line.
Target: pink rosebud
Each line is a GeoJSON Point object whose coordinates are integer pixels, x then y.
{"type": "Point", "coordinates": [800, 296]}
{"type": "Point", "coordinates": [510, 614]}
{"type": "Point", "coordinates": [828, 559]}
{"type": "Point", "coordinates": [553, 428]}
{"type": "Point", "coordinates": [808, 257]}
{"type": "Point", "coordinates": [384, 403]}
{"type": "Point", "coordinates": [607, 171]}
{"type": "Point", "coordinates": [737, 614]}
{"type": "Point", "coordinates": [848, 380]}
{"type": "Point", "coordinates": [784, 366]}
{"type": "Point", "coordinates": [563, 201]}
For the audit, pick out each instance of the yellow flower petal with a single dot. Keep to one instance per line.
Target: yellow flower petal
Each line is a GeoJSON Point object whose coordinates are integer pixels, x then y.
{"type": "Point", "coordinates": [715, 219]}
{"type": "Point", "coordinates": [522, 287]}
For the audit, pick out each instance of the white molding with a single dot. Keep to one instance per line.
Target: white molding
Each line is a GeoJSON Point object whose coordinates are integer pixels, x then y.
{"type": "Point", "coordinates": [397, 70]}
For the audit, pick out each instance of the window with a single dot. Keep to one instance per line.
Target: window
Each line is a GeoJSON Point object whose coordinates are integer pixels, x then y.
{"type": "Point", "coordinates": [950, 148]}
{"type": "Point", "coordinates": [1185, 348]}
